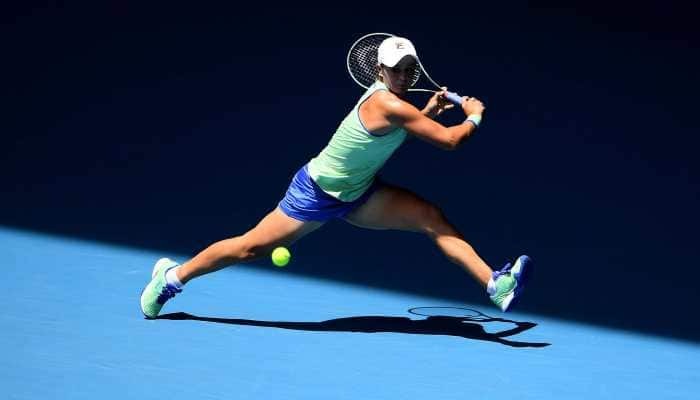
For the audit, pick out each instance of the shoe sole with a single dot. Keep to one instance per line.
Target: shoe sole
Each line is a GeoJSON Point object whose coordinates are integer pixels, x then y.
{"type": "Point", "coordinates": [141, 304]}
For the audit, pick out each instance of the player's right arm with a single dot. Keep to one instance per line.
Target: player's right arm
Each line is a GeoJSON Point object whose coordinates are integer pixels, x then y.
{"type": "Point", "coordinates": [403, 114]}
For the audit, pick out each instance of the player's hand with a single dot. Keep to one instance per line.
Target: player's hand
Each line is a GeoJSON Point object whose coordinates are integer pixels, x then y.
{"type": "Point", "coordinates": [472, 105]}
{"type": "Point", "coordinates": [437, 104]}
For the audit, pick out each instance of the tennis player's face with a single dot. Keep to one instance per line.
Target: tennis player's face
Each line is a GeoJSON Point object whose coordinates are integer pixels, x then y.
{"type": "Point", "coordinates": [398, 77]}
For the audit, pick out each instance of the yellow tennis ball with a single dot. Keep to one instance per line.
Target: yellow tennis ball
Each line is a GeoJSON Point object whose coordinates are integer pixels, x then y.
{"type": "Point", "coordinates": [280, 256]}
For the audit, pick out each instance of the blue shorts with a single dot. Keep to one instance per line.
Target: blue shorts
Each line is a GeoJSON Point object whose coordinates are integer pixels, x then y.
{"type": "Point", "coordinates": [306, 201]}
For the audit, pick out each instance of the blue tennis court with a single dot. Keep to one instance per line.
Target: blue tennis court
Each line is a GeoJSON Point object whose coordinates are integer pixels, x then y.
{"type": "Point", "coordinates": [133, 131]}
{"type": "Point", "coordinates": [72, 329]}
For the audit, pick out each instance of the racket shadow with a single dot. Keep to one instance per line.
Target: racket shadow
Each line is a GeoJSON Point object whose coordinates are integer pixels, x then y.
{"type": "Point", "coordinates": [432, 325]}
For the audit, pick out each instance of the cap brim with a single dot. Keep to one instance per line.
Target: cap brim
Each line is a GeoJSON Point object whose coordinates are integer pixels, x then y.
{"type": "Point", "coordinates": [393, 62]}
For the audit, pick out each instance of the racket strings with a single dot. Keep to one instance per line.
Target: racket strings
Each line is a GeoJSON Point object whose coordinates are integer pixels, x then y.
{"type": "Point", "coordinates": [362, 61]}
{"type": "Point", "coordinates": [415, 73]}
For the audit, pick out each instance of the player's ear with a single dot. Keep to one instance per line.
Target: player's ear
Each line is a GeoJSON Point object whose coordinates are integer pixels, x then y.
{"type": "Point", "coordinates": [379, 72]}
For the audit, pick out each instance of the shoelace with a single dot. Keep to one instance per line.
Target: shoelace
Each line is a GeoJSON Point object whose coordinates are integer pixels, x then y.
{"type": "Point", "coordinates": [503, 271]}
{"type": "Point", "coordinates": [167, 293]}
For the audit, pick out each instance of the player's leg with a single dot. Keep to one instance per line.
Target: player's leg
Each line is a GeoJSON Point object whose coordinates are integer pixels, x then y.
{"type": "Point", "coordinates": [392, 207]}
{"type": "Point", "coordinates": [275, 229]}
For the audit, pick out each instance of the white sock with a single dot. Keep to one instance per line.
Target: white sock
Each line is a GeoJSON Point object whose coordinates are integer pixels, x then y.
{"type": "Point", "coordinates": [491, 287]}
{"type": "Point", "coordinates": [171, 278]}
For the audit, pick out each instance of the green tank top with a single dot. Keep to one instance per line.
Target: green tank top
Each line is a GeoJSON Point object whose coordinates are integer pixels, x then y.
{"type": "Point", "coordinates": [346, 167]}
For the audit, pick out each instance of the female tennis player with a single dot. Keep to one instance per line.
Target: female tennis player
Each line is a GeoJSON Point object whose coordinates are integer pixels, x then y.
{"type": "Point", "coordinates": [341, 182]}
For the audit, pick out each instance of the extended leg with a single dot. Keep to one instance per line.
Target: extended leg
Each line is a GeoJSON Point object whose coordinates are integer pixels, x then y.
{"type": "Point", "coordinates": [392, 207]}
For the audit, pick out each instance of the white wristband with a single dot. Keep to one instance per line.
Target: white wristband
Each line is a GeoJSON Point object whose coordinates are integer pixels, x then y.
{"type": "Point", "coordinates": [475, 119]}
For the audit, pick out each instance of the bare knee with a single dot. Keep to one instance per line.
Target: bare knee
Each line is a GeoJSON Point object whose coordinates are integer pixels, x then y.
{"type": "Point", "coordinates": [435, 222]}
{"type": "Point", "coordinates": [251, 248]}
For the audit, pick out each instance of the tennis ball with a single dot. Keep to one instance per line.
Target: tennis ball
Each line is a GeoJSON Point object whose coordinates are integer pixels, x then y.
{"type": "Point", "coordinates": [280, 256]}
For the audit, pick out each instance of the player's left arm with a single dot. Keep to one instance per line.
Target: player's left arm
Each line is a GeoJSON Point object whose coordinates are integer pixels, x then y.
{"type": "Point", "coordinates": [403, 114]}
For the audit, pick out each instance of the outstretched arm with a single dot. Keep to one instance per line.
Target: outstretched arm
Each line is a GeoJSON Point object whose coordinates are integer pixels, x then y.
{"type": "Point", "coordinates": [401, 113]}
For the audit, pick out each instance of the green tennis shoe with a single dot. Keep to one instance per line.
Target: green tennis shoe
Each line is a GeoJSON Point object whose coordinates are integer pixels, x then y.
{"type": "Point", "coordinates": [158, 291]}
{"type": "Point", "coordinates": [507, 284]}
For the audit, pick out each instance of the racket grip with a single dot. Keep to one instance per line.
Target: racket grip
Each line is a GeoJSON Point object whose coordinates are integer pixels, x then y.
{"type": "Point", "coordinates": [454, 98]}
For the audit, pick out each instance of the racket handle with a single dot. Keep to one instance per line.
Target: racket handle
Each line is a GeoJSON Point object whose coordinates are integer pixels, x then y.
{"type": "Point", "coordinates": [454, 98]}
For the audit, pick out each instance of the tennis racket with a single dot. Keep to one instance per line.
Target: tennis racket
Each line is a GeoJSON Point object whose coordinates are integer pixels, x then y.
{"type": "Point", "coordinates": [362, 66]}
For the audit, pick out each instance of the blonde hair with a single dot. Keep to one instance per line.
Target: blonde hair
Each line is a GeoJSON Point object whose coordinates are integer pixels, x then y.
{"type": "Point", "coordinates": [380, 77]}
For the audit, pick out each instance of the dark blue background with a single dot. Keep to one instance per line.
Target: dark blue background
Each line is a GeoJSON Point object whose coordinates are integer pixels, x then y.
{"type": "Point", "coordinates": [172, 126]}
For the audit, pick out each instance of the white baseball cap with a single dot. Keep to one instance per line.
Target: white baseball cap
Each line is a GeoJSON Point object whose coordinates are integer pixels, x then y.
{"type": "Point", "coordinates": [393, 49]}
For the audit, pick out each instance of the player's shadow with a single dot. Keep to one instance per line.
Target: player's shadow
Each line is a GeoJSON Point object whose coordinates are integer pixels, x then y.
{"type": "Point", "coordinates": [433, 325]}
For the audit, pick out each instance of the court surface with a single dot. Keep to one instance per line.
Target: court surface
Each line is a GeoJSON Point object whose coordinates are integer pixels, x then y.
{"type": "Point", "coordinates": [71, 328]}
